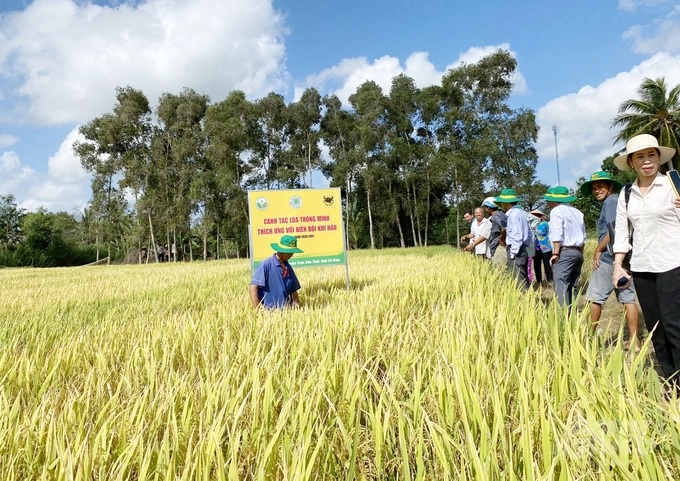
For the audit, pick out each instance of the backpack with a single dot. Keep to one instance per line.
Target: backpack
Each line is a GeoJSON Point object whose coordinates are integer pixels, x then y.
{"type": "Point", "coordinates": [611, 228]}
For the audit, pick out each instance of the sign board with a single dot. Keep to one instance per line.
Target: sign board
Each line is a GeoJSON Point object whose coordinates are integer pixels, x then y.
{"type": "Point", "coordinates": [314, 216]}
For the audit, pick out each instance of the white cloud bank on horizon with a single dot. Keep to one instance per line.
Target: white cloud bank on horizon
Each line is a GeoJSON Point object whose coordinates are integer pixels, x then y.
{"type": "Point", "coordinates": [65, 59]}
{"type": "Point", "coordinates": [64, 187]}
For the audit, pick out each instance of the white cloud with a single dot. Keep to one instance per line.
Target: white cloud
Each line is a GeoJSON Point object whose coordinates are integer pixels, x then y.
{"type": "Point", "coordinates": [583, 120]}
{"type": "Point", "coordinates": [65, 186]}
{"type": "Point", "coordinates": [632, 5]}
{"type": "Point", "coordinates": [344, 78]}
{"type": "Point", "coordinates": [14, 176]}
{"type": "Point", "coordinates": [666, 37]}
{"type": "Point", "coordinates": [65, 58]}
{"type": "Point", "coordinates": [7, 140]}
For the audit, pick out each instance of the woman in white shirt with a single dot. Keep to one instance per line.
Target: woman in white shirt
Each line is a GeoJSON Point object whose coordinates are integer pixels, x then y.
{"type": "Point", "coordinates": [654, 216]}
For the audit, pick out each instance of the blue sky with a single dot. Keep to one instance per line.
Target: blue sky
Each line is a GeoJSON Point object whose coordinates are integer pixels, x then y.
{"type": "Point", "coordinates": [60, 61]}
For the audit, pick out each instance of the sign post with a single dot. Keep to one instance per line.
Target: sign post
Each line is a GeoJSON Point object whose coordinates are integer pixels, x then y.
{"type": "Point", "coordinates": [314, 216]}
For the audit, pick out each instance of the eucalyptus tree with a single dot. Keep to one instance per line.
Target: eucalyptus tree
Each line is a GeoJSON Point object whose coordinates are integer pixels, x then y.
{"type": "Point", "coordinates": [178, 154]}
{"type": "Point", "coordinates": [513, 163]}
{"type": "Point", "coordinates": [402, 114]}
{"type": "Point", "coordinates": [414, 117]}
{"type": "Point", "coordinates": [115, 152]}
{"type": "Point", "coordinates": [231, 129]}
{"type": "Point", "coordinates": [271, 144]}
{"type": "Point", "coordinates": [432, 133]}
{"type": "Point", "coordinates": [134, 114]}
{"type": "Point", "coordinates": [476, 96]}
{"type": "Point", "coordinates": [656, 112]}
{"type": "Point", "coordinates": [370, 105]}
{"type": "Point", "coordinates": [339, 130]}
{"type": "Point", "coordinates": [304, 117]}
{"type": "Point", "coordinates": [476, 117]}
{"type": "Point", "coordinates": [95, 158]}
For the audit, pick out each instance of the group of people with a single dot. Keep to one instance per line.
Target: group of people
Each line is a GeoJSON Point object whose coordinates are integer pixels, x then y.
{"type": "Point", "coordinates": [165, 254]}
{"type": "Point", "coordinates": [642, 224]}
{"type": "Point", "coordinates": [554, 248]}
{"type": "Point", "coordinates": [646, 218]}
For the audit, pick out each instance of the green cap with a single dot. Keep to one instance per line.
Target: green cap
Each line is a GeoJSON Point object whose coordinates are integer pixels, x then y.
{"type": "Point", "coordinates": [507, 196]}
{"type": "Point", "coordinates": [586, 188]}
{"type": "Point", "coordinates": [288, 245]}
{"type": "Point", "coordinates": [559, 194]}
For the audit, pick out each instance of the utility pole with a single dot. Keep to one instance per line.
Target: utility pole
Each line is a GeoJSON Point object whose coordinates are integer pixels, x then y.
{"type": "Point", "coordinates": [557, 159]}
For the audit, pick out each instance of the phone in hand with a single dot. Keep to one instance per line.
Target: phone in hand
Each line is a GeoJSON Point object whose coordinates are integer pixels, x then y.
{"type": "Point", "coordinates": [674, 177]}
{"type": "Point", "coordinates": [622, 282]}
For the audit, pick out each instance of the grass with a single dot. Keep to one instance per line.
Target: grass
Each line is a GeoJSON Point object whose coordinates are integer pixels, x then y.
{"type": "Point", "coordinates": [433, 366]}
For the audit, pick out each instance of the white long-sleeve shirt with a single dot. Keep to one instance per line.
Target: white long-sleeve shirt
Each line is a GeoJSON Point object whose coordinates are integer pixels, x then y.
{"type": "Point", "coordinates": [566, 226]}
{"type": "Point", "coordinates": [656, 227]}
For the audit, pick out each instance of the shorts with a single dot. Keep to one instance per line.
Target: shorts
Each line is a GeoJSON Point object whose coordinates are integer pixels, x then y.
{"type": "Point", "coordinates": [601, 286]}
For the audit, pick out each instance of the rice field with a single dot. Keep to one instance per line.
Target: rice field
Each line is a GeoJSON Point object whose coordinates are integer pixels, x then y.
{"type": "Point", "coordinates": [432, 366]}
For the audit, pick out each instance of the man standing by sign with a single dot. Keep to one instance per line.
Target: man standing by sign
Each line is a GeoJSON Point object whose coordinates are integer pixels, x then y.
{"type": "Point", "coordinates": [274, 284]}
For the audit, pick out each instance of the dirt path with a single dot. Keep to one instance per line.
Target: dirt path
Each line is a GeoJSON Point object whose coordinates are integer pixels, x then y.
{"type": "Point", "coordinates": [611, 318]}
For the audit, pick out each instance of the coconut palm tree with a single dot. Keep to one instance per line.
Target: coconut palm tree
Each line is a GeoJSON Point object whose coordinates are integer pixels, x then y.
{"type": "Point", "coordinates": [657, 112]}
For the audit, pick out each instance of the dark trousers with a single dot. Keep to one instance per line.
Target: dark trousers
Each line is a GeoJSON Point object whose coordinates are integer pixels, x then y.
{"type": "Point", "coordinates": [542, 259]}
{"type": "Point", "coordinates": [519, 266]}
{"type": "Point", "coordinates": [566, 272]}
{"type": "Point", "coordinates": [659, 297]}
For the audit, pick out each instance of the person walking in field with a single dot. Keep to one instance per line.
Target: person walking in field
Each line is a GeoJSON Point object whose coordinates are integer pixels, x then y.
{"type": "Point", "coordinates": [517, 236]}
{"type": "Point", "coordinates": [274, 284]}
{"type": "Point", "coordinates": [653, 213]}
{"type": "Point", "coordinates": [605, 188]}
{"type": "Point", "coordinates": [469, 220]}
{"type": "Point", "coordinates": [543, 253]}
{"type": "Point", "coordinates": [160, 251]}
{"type": "Point", "coordinates": [568, 236]}
{"type": "Point", "coordinates": [481, 228]}
{"type": "Point", "coordinates": [499, 221]}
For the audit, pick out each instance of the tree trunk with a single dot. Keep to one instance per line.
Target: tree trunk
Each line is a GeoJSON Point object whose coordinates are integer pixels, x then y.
{"type": "Point", "coordinates": [458, 227]}
{"type": "Point", "coordinates": [153, 239]}
{"type": "Point", "coordinates": [401, 232]}
{"type": "Point", "coordinates": [411, 214]}
{"type": "Point", "coordinates": [370, 217]}
{"type": "Point", "coordinates": [427, 216]}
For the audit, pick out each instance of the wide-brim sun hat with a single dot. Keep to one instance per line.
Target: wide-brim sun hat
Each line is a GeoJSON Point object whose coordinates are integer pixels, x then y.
{"type": "Point", "coordinates": [559, 194]}
{"type": "Point", "coordinates": [507, 196]}
{"type": "Point", "coordinates": [287, 245]}
{"type": "Point", "coordinates": [587, 189]}
{"type": "Point", "coordinates": [642, 142]}
{"type": "Point", "coordinates": [489, 202]}
{"type": "Point", "coordinates": [537, 213]}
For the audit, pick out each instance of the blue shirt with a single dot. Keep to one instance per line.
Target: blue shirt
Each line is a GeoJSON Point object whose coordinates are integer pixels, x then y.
{"type": "Point", "coordinates": [518, 232]}
{"type": "Point", "coordinates": [543, 237]}
{"type": "Point", "coordinates": [607, 216]}
{"type": "Point", "coordinates": [274, 290]}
